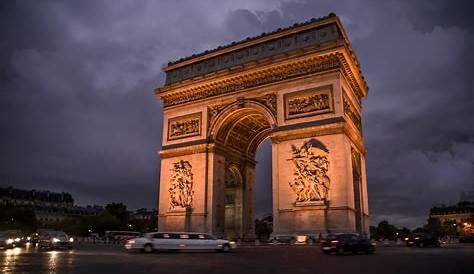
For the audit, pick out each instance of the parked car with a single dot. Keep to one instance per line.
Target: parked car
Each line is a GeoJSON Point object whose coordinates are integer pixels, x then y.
{"type": "Point", "coordinates": [341, 243]}
{"type": "Point", "coordinates": [178, 241]}
{"type": "Point", "coordinates": [422, 240]}
{"type": "Point", "coordinates": [55, 239]}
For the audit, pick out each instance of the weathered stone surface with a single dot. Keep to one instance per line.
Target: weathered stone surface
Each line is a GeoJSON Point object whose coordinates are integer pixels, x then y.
{"type": "Point", "coordinates": [313, 120]}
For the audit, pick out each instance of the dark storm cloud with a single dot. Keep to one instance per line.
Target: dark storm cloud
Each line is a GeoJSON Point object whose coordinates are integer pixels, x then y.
{"type": "Point", "coordinates": [78, 113]}
{"type": "Point", "coordinates": [418, 116]}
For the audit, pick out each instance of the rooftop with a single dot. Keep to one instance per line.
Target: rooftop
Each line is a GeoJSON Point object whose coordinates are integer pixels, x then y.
{"type": "Point", "coordinates": [248, 39]}
{"type": "Point", "coordinates": [33, 194]}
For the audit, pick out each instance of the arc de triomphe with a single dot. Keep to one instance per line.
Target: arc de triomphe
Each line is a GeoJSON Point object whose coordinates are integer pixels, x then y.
{"type": "Point", "coordinates": [301, 87]}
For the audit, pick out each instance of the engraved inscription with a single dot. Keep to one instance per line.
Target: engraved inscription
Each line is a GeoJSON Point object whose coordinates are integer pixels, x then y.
{"type": "Point", "coordinates": [184, 126]}
{"type": "Point", "coordinates": [308, 102]}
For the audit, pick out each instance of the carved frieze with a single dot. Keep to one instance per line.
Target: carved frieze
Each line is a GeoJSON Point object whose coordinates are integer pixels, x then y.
{"type": "Point", "coordinates": [308, 102]}
{"type": "Point", "coordinates": [349, 111]}
{"type": "Point", "coordinates": [312, 37]}
{"type": "Point", "coordinates": [181, 191]}
{"type": "Point", "coordinates": [184, 126]}
{"type": "Point", "coordinates": [310, 179]}
{"type": "Point", "coordinates": [214, 111]}
{"type": "Point", "coordinates": [314, 65]}
{"type": "Point", "coordinates": [270, 100]}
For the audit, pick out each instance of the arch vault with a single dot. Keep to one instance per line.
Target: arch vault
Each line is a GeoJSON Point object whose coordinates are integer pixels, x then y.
{"type": "Point", "coordinates": [302, 88]}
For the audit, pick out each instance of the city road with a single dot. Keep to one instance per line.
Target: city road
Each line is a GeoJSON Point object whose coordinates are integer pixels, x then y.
{"type": "Point", "coordinates": [99, 258]}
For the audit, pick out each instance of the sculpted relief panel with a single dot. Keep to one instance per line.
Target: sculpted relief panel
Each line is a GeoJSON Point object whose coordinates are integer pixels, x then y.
{"type": "Point", "coordinates": [311, 181]}
{"type": "Point", "coordinates": [289, 71]}
{"type": "Point", "coordinates": [184, 126]}
{"type": "Point", "coordinates": [350, 111]}
{"type": "Point", "coordinates": [308, 102]}
{"type": "Point", "coordinates": [269, 100]}
{"type": "Point", "coordinates": [181, 191]}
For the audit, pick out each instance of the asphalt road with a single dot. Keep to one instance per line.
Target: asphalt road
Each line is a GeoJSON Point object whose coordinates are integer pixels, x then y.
{"type": "Point", "coordinates": [90, 259]}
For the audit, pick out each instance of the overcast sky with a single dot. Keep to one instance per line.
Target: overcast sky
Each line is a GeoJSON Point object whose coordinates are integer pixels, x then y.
{"type": "Point", "coordinates": [78, 113]}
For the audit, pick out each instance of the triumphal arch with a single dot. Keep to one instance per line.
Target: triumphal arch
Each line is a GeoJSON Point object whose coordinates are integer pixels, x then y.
{"type": "Point", "coordinates": [301, 87]}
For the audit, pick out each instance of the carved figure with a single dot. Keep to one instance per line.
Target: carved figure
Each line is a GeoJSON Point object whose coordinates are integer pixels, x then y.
{"type": "Point", "coordinates": [186, 127]}
{"type": "Point", "coordinates": [349, 111]}
{"type": "Point", "coordinates": [181, 185]}
{"type": "Point", "coordinates": [311, 182]}
{"type": "Point", "coordinates": [308, 104]}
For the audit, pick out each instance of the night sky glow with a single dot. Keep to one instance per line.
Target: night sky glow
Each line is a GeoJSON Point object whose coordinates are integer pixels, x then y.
{"type": "Point", "coordinates": [78, 113]}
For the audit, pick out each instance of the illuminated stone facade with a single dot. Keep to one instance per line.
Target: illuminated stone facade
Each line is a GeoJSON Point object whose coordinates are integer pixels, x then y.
{"type": "Point", "coordinates": [302, 88]}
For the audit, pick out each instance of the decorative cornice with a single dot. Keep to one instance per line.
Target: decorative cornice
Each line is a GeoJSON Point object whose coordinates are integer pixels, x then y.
{"type": "Point", "coordinates": [318, 36]}
{"type": "Point", "coordinates": [275, 74]}
{"type": "Point", "coordinates": [248, 39]}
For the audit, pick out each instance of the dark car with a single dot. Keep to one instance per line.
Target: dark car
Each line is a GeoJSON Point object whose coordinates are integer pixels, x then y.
{"type": "Point", "coordinates": [19, 238]}
{"type": "Point", "coordinates": [6, 241]}
{"type": "Point", "coordinates": [342, 243]}
{"type": "Point", "coordinates": [422, 240]}
{"type": "Point", "coordinates": [55, 239]}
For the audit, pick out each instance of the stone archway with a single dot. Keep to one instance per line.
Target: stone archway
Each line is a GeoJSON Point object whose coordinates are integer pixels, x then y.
{"type": "Point", "coordinates": [236, 132]}
{"type": "Point", "coordinates": [302, 88]}
{"type": "Point", "coordinates": [233, 203]}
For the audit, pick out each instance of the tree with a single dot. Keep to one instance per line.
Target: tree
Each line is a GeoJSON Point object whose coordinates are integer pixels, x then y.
{"type": "Point", "coordinates": [404, 232]}
{"type": "Point", "coordinates": [373, 232]}
{"type": "Point", "coordinates": [264, 227]}
{"type": "Point", "coordinates": [449, 227]}
{"type": "Point", "coordinates": [101, 223]}
{"type": "Point", "coordinates": [22, 218]}
{"type": "Point", "coordinates": [119, 211]}
{"type": "Point", "coordinates": [386, 231]}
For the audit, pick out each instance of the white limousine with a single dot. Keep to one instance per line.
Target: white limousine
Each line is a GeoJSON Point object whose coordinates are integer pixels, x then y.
{"type": "Point", "coordinates": [178, 241]}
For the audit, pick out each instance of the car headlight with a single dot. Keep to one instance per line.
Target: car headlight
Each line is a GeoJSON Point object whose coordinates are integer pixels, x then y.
{"type": "Point", "coordinates": [17, 239]}
{"type": "Point", "coordinates": [28, 238]}
{"type": "Point", "coordinates": [55, 240]}
{"type": "Point", "coordinates": [71, 239]}
{"type": "Point", "coordinates": [9, 241]}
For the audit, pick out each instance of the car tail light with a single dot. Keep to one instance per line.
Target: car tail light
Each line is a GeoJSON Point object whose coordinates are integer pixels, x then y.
{"type": "Point", "coordinates": [334, 241]}
{"type": "Point", "coordinates": [131, 241]}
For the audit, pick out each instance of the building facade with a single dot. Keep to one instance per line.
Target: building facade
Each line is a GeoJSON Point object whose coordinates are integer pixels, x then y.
{"type": "Point", "coordinates": [49, 207]}
{"type": "Point", "coordinates": [460, 215]}
{"type": "Point", "coordinates": [302, 88]}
